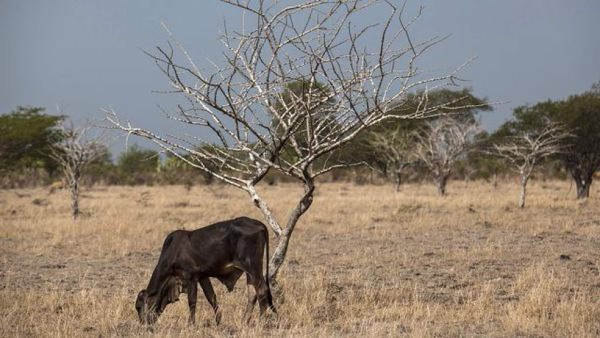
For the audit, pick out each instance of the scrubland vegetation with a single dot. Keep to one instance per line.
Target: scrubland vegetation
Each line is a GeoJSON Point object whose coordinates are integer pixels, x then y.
{"type": "Point", "coordinates": [365, 261]}
{"type": "Point", "coordinates": [302, 124]}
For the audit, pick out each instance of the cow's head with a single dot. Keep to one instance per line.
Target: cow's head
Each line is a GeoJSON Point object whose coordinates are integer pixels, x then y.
{"type": "Point", "coordinates": [146, 307]}
{"type": "Point", "coordinates": [150, 306]}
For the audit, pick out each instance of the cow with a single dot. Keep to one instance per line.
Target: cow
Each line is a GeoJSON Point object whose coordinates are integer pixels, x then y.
{"type": "Point", "coordinates": [223, 250]}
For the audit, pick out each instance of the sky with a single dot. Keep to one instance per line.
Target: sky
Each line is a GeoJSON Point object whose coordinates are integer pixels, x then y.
{"type": "Point", "coordinates": [80, 57]}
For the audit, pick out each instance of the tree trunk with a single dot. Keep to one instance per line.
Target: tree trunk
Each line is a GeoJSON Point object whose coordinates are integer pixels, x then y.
{"type": "Point", "coordinates": [276, 260]}
{"type": "Point", "coordinates": [583, 179]}
{"type": "Point", "coordinates": [524, 180]}
{"type": "Point", "coordinates": [74, 187]}
{"type": "Point", "coordinates": [283, 241]}
{"type": "Point", "coordinates": [441, 182]}
{"type": "Point", "coordinates": [398, 177]}
{"type": "Point", "coordinates": [283, 235]}
{"type": "Point", "coordinates": [583, 187]}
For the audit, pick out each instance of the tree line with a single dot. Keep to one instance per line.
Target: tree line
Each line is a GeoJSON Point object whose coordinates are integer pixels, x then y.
{"type": "Point", "coordinates": [556, 138]}
{"type": "Point", "coordinates": [562, 137]}
{"type": "Point", "coordinates": [33, 146]}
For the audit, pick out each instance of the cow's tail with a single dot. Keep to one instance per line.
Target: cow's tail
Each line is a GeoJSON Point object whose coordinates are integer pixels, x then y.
{"type": "Point", "coordinates": [269, 295]}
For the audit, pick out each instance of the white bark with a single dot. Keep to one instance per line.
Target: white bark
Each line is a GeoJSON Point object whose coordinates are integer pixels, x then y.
{"type": "Point", "coordinates": [395, 147]}
{"type": "Point", "coordinates": [73, 153]}
{"type": "Point", "coordinates": [441, 144]}
{"type": "Point", "coordinates": [524, 179]}
{"type": "Point", "coordinates": [525, 150]}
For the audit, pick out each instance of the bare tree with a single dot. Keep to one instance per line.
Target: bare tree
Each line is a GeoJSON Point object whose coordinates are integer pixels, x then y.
{"type": "Point", "coordinates": [395, 147]}
{"type": "Point", "coordinates": [260, 125]}
{"type": "Point", "coordinates": [443, 142]}
{"type": "Point", "coordinates": [526, 150]}
{"type": "Point", "coordinates": [73, 153]}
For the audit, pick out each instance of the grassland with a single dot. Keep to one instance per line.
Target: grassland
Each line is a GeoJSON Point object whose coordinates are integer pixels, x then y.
{"type": "Point", "coordinates": [364, 261]}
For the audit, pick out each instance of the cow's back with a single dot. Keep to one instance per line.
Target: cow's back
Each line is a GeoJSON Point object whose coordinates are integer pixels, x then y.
{"type": "Point", "coordinates": [229, 230]}
{"type": "Point", "coordinates": [248, 226]}
{"type": "Point", "coordinates": [221, 241]}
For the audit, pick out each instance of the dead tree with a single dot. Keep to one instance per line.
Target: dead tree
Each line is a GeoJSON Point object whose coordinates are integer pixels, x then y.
{"type": "Point", "coordinates": [443, 142]}
{"type": "Point", "coordinates": [395, 147]}
{"type": "Point", "coordinates": [259, 125]}
{"type": "Point", "coordinates": [73, 153]}
{"type": "Point", "coordinates": [526, 150]}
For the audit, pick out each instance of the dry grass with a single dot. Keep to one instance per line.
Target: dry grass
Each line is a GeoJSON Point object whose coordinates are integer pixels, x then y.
{"type": "Point", "coordinates": [364, 261]}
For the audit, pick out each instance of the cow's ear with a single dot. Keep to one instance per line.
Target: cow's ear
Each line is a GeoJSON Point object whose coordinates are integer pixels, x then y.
{"type": "Point", "coordinates": [141, 295]}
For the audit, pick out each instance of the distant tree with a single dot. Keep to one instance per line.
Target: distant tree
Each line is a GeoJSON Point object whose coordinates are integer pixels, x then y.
{"type": "Point", "coordinates": [173, 170]}
{"type": "Point", "coordinates": [26, 138]}
{"type": "Point", "coordinates": [388, 146]}
{"type": "Point", "coordinates": [138, 166]}
{"type": "Point", "coordinates": [394, 147]}
{"type": "Point", "coordinates": [442, 143]}
{"type": "Point", "coordinates": [485, 166]}
{"type": "Point", "coordinates": [581, 115]}
{"type": "Point", "coordinates": [360, 150]}
{"type": "Point", "coordinates": [101, 169]}
{"type": "Point", "coordinates": [483, 163]}
{"type": "Point", "coordinates": [75, 151]}
{"type": "Point", "coordinates": [528, 149]}
{"type": "Point", "coordinates": [461, 105]}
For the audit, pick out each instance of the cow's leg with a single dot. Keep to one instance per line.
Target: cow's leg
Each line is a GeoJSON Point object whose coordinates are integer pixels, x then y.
{"type": "Point", "coordinates": [209, 293]}
{"type": "Point", "coordinates": [251, 298]}
{"type": "Point", "coordinates": [192, 291]}
{"type": "Point", "coordinates": [262, 292]}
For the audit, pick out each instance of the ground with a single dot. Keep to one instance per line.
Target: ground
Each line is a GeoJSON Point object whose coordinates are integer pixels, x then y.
{"type": "Point", "coordinates": [364, 261]}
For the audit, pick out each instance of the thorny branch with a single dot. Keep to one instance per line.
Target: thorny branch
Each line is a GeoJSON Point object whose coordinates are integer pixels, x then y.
{"type": "Point", "coordinates": [525, 150]}
{"type": "Point", "coordinates": [443, 142]}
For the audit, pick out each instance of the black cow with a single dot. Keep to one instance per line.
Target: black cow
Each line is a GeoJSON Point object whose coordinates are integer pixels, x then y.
{"type": "Point", "coordinates": [223, 250]}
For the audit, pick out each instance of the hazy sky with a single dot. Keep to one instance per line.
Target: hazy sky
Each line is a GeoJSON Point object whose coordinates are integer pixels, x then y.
{"type": "Point", "coordinates": [82, 56]}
